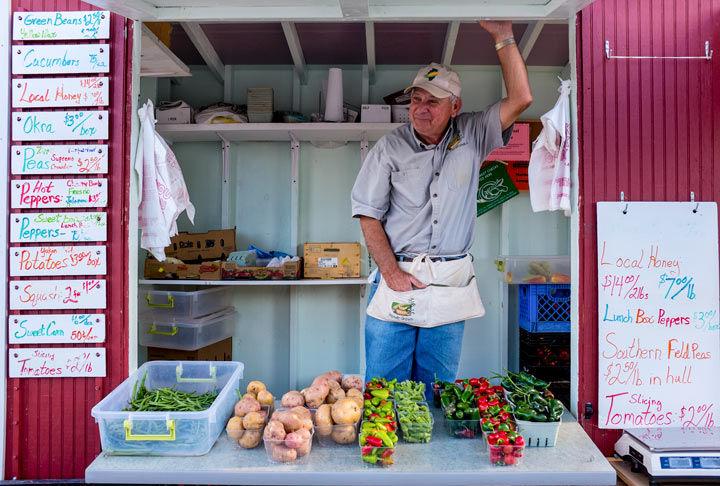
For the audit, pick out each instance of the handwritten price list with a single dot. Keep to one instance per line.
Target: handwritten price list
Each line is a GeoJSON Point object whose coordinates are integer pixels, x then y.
{"type": "Point", "coordinates": [86, 122]}
{"type": "Point", "coordinates": [658, 322]}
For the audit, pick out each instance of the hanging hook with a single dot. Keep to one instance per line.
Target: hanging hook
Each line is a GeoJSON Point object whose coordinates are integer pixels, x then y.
{"type": "Point", "coordinates": [622, 199]}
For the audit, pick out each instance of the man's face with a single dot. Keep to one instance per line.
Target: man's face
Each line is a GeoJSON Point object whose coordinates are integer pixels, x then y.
{"type": "Point", "coordinates": [430, 115]}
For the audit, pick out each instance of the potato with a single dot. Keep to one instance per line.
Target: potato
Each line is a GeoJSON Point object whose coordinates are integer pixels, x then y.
{"type": "Point", "coordinates": [291, 421]}
{"type": "Point", "coordinates": [294, 440]}
{"type": "Point", "coordinates": [251, 395]}
{"type": "Point", "coordinates": [292, 399]}
{"type": "Point", "coordinates": [265, 398]}
{"type": "Point", "coordinates": [302, 412]}
{"type": "Point", "coordinates": [235, 428]}
{"type": "Point", "coordinates": [315, 395]}
{"type": "Point", "coordinates": [354, 392]}
{"type": "Point", "coordinates": [323, 421]}
{"type": "Point", "coordinates": [253, 421]}
{"type": "Point", "coordinates": [274, 430]}
{"type": "Point", "coordinates": [335, 395]}
{"type": "Point", "coordinates": [246, 405]}
{"type": "Point", "coordinates": [345, 411]}
{"type": "Point", "coordinates": [256, 387]}
{"type": "Point", "coordinates": [307, 424]}
{"type": "Point", "coordinates": [264, 414]}
{"type": "Point", "coordinates": [304, 442]}
{"type": "Point", "coordinates": [281, 453]}
{"type": "Point", "coordinates": [352, 382]}
{"type": "Point", "coordinates": [334, 374]}
{"type": "Point", "coordinates": [250, 439]}
{"type": "Point", "coordinates": [344, 434]}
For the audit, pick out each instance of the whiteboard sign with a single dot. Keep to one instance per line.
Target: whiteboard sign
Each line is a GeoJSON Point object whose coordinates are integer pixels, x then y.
{"type": "Point", "coordinates": [59, 92]}
{"type": "Point", "coordinates": [57, 294]}
{"type": "Point", "coordinates": [61, 59]}
{"type": "Point", "coordinates": [61, 25]}
{"type": "Point", "coordinates": [49, 261]}
{"type": "Point", "coordinates": [658, 322]}
{"type": "Point", "coordinates": [58, 193]}
{"type": "Point", "coordinates": [57, 227]}
{"type": "Point", "coordinates": [59, 159]}
{"type": "Point", "coordinates": [59, 125]}
{"type": "Point", "coordinates": [56, 328]}
{"type": "Point", "coordinates": [56, 362]}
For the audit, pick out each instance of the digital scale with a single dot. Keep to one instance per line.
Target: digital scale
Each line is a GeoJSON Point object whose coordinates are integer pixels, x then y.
{"type": "Point", "coordinates": [673, 455]}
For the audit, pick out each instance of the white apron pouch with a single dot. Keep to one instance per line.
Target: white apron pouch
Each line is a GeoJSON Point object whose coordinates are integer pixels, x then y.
{"type": "Point", "coordinates": [451, 295]}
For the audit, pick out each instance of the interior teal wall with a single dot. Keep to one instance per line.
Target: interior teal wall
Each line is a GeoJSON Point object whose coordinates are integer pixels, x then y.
{"type": "Point", "coordinates": [329, 317]}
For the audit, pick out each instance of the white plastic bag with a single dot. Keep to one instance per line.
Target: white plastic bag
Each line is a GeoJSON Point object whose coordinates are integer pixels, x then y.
{"type": "Point", "coordinates": [549, 169]}
{"type": "Point", "coordinates": [163, 194]}
{"type": "Point", "coordinates": [451, 294]}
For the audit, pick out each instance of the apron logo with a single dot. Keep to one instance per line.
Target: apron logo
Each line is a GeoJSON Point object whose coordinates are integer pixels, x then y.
{"type": "Point", "coordinates": [403, 310]}
{"type": "Point", "coordinates": [432, 74]}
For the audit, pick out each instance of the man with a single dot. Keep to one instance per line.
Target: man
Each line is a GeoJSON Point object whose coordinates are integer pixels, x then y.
{"type": "Point", "coordinates": [416, 194]}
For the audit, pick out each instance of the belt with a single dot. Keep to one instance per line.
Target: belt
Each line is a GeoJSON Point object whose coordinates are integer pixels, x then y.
{"type": "Point", "coordinates": [405, 258]}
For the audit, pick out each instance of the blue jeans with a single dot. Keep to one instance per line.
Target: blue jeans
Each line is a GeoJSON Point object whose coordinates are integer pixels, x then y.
{"type": "Point", "coordinates": [396, 350]}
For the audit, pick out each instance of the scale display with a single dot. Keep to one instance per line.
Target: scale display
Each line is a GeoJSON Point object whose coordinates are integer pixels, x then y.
{"type": "Point", "coordinates": [690, 462]}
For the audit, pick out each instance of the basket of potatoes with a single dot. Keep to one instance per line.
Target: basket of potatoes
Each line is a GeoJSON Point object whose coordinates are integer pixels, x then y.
{"type": "Point", "coordinates": [251, 414]}
{"type": "Point", "coordinates": [288, 435]}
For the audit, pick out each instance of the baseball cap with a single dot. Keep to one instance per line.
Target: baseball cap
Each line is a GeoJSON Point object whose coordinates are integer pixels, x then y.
{"type": "Point", "coordinates": [438, 80]}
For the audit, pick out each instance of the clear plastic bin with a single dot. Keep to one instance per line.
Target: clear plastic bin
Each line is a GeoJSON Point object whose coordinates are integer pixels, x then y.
{"type": "Point", "coordinates": [377, 456]}
{"type": "Point", "coordinates": [278, 451]}
{"type": "Point", "coordinates": [188, 334]}
{"type": "Point", "coordinates": [184, 303]}
{"type": "Point", "coordinates": [534, 269]}
{"type": "Point", "coordinates": [463, 429]}
{"type": "Point", "coordinates": [338, 434]}
{"type": "Point", "coordinates": [169, 433]}
{"type": "Point", "coordinates": [505, 455]}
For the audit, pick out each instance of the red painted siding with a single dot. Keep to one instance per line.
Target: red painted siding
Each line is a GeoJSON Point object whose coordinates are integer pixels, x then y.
{"type": "Point", "coordinates": [50, 433]}
{"type": "Point", "coordinates": [646, 128]}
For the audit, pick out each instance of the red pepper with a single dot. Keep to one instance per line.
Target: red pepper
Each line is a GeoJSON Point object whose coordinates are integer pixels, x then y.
{"type": "Point", "coordinates": [374, 415]}
{"type": "Point", "coordinates": [387, 453]}
{"type": "Point", "coordinates": [367, 450]}
{"type": "Point", "coordinates": [474, 382]}
{"type": "Point", "coordinates": [374, 441]}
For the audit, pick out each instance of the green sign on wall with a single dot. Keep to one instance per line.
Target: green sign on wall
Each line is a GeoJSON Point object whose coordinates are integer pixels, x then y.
{"type": "Point", "coordinates": [495, 187]}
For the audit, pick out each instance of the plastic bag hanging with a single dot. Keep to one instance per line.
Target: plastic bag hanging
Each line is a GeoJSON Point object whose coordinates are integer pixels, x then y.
{"type": "Point", "coordinates": [549, 169]}
{"type": "Point", "coordinates": [162, 191]}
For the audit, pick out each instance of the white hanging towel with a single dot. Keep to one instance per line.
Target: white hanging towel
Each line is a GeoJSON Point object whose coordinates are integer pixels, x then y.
{"type": "Point", "coordinates": [549, 169]}
{"type": "Point", "coordinates": [163, 194]}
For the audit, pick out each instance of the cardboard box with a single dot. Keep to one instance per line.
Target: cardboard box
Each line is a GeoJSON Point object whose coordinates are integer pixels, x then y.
{"type": "Point", "coordinates": [289, 271]}
{"type": "Point", "coordinates": [332, 260]}
{"type": "Point", "coordinates": [200, 247]}
{"type": "Point", "coordinates": [220, 351]}
{"type": "Point", "coordinates": [400, 113]}
{"type": "Point", "coordinates": [375, 114]}
{"type": "Point", "coordinates": [518, 148]}
{"type": "Point", "coordinates": [175, 113]}
{"type": "Point", "coordinates": [155, 270]}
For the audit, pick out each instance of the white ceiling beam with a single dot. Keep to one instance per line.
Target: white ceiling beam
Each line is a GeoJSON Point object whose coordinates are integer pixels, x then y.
{"type": "Point", "coordinates": [293, 42]}
{"type": "Point", "coordinates": [370, 49]}
{"type": "Point", "coordinates": [205, 48]}
{"type": "Point", "coordinates": [530, 37]}
{"type": "Point", "coordinates": [354, 9]}
{"type": "Point", "coordinates": [132, 9]}
{"type": "Point", "coordinates": [450, 39]}
{"type": "Point", "coordinates": [457, 10]}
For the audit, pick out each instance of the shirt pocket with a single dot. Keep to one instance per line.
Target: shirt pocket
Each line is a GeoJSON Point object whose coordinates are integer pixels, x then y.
{"type": "Point", "coordinates": [411, 186]}
{"type": "Point", "coordinates": [460, 166]}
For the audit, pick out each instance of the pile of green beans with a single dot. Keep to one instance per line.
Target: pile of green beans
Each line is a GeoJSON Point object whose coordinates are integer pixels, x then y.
{"type": "Point", "coordinates": [168, 400]}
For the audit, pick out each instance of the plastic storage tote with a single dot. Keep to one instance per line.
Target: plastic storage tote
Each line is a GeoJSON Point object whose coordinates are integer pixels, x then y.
{"type": "Point", "coordinates": [534, 269]}
{"type": "Point", "coordinates": [544, 308]}
{"type": "Point", "coordinates": [188, 334]}
{"type": "Point", "coordinates": [169, 433]}
{"type": "Point", "coordinates": [184, 303]}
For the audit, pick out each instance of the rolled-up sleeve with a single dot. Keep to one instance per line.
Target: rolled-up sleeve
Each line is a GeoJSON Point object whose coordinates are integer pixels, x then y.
{"type": "Point", "coordinates": [371, 192]}
{"type": "Point", "coordinates": [487, 130]}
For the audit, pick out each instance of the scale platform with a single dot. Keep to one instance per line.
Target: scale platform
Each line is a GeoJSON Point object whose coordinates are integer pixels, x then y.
{"type": "Point", "coordinates": [673, 455]}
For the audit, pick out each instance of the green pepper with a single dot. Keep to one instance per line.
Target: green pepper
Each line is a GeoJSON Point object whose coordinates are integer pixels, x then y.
{"type": "Point", "coordinates": [539, 417]}
{"type": "Point", "coordinates": [466, 394]}
{"type": "Point", "coordinates": [383, 393]}
{"type": "Point", "coordinates": [459, 415]}
{"type": "Point", "coordinates": [462, 406]}
{"type": "Point", "coordinates": [387, 441]}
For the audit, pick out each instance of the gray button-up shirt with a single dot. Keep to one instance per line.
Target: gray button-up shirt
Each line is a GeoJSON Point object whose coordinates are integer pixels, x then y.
{"type": "Point", "coordinates": [426, 195]}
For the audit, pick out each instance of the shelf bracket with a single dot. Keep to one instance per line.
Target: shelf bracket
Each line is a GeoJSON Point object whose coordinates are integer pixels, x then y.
{"type": "Point", "coordinates": [225, 186]}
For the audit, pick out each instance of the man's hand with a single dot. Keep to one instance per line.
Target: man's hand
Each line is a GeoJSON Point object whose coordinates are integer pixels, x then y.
{"type": "Point", "coordinates": [499, 30]}
{"type": "Point", "coordinates": [401, 281]}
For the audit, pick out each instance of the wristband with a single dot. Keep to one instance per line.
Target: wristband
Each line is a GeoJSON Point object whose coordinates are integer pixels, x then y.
{"type": "Point", "coordinates": [504, 43]}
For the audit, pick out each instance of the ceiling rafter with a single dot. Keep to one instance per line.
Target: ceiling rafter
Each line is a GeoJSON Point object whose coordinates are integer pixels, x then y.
{"type": "Point", "coordinates": [205, 48]}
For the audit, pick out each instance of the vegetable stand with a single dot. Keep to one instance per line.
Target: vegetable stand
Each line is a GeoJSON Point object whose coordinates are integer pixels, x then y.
{"type": "Point", "coordinates": [443, 461]}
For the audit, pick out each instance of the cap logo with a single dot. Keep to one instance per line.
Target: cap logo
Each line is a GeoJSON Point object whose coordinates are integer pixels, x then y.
{"type": "Point", "coordinates": [432, 74]}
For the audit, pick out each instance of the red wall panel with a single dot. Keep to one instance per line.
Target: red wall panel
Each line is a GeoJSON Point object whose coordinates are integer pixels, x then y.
{"type": "Point", "coordinates": [50, 433]}
{"type": "Point", "coordinates": [646, 128]}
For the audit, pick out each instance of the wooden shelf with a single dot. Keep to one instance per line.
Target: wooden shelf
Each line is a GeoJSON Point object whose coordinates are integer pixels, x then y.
{"type": "Point", "coordinates": [255, 283]}
{"type": "Point", "coordinates": [156, 60]}
{"type": "Point", "coordinates": [276, 132]}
